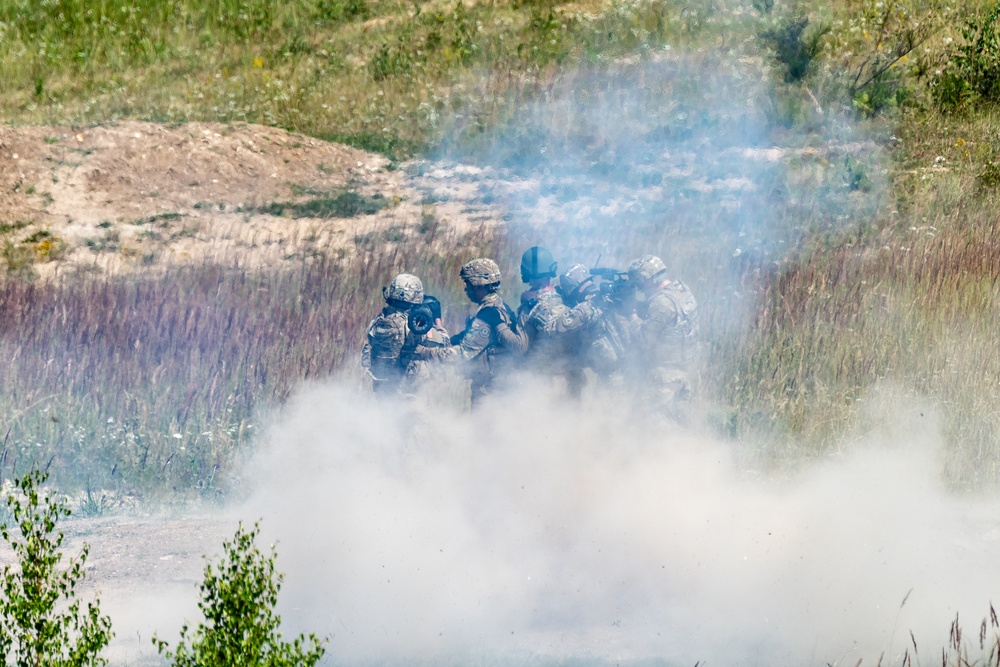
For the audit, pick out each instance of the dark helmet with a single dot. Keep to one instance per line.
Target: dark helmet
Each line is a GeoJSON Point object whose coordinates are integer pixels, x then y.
{"type": "Point", "coordinates": [537, 263]}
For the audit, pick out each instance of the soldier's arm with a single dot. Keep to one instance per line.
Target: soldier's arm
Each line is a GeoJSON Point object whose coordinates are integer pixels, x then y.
{"type": "Point", "coordinates": [475, 339]}
{"type": "Point", "coordinates": [526, 325]}
{"type": "Point", "coordinates": [511, 340]}
{"type": "Point", "coordinates": [499, 322]}
{"type": "Point", "coordinates": [577, 318]}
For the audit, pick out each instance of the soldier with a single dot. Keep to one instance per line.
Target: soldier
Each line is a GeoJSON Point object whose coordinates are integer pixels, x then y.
{"type": "Point", "coordinates": [490, 338]}
{"type": "Point", "coordinates": [541, 306]}
{"type": "Point", "coordinates": [666, 335]}
{"type": "Point", "coordinates": [596, 324]}
{"type": "Point", "coordinates": [392, 349]}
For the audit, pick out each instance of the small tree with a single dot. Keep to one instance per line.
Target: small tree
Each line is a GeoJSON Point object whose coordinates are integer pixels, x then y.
{"type": "Point", "coordinates": [31, 625]}
{"type": "Point", "coordinates": [238, 597]}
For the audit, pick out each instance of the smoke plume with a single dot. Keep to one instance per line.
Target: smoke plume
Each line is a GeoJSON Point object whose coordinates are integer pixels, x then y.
{"type": "Point", "coordinates": [535, 530]}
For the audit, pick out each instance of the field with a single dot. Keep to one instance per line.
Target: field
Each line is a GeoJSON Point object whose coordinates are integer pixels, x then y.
{"type": "Point", "coordinates": [201, 201]}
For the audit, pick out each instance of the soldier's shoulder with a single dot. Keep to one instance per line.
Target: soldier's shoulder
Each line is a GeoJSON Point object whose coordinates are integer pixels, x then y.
{"type": "Point", "coordinates": [491, 301]}
{"type": "Point", "coordinates": [388, 323]}
{"type": "Point", "coordinates": [551, 298]}
{"type": "Point", "coordinates": [548, 308]}
{"type": "Point", "coordinates": [477, 335]}
{"type": "Point", "coordinates": [683, 296]}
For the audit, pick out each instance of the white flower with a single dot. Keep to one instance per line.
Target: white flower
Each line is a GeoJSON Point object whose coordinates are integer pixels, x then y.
{"type": "Point", "coordinates": [178, 436]}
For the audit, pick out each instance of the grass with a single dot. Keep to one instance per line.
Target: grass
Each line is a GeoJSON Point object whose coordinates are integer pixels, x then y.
{"type": "Point", "coordinates": [148, 384]}
{"type": "Point", "coordinates": [860, 259]}
{"type": "Point", "coordinates": [386, 76]}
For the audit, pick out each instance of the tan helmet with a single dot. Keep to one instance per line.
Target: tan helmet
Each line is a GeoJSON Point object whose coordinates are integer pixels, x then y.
{"type": "Point", "coordinates": [406, 288]}
{"type": "Point", "coordinates": [481, 271]}
{"type": "Point", "coordinates": [645, 268]}
{"type": "Point", "coordinates": [573, 278]}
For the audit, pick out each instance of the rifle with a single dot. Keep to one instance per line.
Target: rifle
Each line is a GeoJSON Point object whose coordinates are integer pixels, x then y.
{"type": "Point", "coordinates": [614, 286]}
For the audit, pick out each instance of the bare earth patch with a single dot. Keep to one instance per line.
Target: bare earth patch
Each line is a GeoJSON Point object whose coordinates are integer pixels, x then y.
{"type": "Point", "coordinates": [134, 194]}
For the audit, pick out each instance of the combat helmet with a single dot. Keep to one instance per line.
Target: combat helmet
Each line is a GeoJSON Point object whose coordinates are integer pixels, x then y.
{"type": "Point", "coordinates": [645, 268]}
{"type": "Point", "coordinates": [537, 263]}
{"type": "Point", "coordinates": [480, 271]}
{"type": "Point", "coordinates": [404, 289]}
{"type": "Point", "coordinates": [574, 279]}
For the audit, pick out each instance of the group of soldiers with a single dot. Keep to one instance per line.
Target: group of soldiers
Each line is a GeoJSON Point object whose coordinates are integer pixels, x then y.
{"type": "Point", "coordinates": [633, 330]}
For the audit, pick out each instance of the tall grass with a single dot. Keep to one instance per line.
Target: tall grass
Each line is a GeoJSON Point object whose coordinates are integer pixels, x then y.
{"type": "Point", "coordinates": [148, 383]}
{"type": "Point", "coordinates": [852, 268]}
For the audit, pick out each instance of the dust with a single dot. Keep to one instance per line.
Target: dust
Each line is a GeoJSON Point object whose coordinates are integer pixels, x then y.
{"type": "Point", "coordinates": [536, 531]}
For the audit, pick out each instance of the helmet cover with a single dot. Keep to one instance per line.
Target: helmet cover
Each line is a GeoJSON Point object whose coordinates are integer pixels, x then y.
{"type": "Point", "coordinates": [645, 268]}
{"type": "Point", "coordinates": [406, 288]}
{"type": "Point", "coordinates": [480, 271]}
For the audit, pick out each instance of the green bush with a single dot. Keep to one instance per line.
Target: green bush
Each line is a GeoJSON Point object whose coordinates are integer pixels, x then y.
{"type": "Point", "coordinates": [40, 621]}
{"type": "Point", "coordinates": [238, 597]}
{"type": "Point", "coordinates": [972, 70]}
{"type": "Point", "coordinates": [796, 48]}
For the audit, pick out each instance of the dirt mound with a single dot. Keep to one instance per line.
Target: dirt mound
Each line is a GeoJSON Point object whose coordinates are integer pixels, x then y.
{"type": "Point", "coordinates": [136, 194]}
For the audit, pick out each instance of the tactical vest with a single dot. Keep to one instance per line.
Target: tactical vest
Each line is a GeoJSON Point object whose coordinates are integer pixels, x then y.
{"type": "Point", "coordinates": [608, 347]}
{"type": "Point", "coordinates": [678, 338]}
{"type": "Point", "coordinates": [538, 313]}
{"type": "Point", "coordinates": [386, 337]}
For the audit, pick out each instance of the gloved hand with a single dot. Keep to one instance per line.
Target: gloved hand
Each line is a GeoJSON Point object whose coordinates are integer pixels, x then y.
{"type": "Point", "coordinates": [490, 315]}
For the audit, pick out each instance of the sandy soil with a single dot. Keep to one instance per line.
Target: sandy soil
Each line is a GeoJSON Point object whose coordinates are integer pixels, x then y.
{"type": "Point", "coordinates": [134, 194]}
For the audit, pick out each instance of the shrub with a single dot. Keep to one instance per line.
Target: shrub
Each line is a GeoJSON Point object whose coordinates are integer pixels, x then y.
{"type": "Point", "coordinates": [238, 597]}
{"type": "Point", "coordinates": [972, 69]}
{"type": "Point", "coordinates": [795, 48]}
{"type": "Point", "coordinates": [40, 621]}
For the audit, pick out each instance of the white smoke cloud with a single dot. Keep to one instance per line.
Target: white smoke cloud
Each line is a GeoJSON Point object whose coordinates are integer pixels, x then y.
{"type": "Point", "coordinates": [538, 530]}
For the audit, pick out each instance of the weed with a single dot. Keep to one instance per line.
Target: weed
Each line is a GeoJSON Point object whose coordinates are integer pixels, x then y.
{"type": "Point", "coordinates": [796, 49]}
{"type": "Point", "coordinates": [40, 619]}
{"type": "Point", "coordinates": [972, 69]}
{"type": "Point", "coordinates": [343, 205]}
{"type": "Point", "coordinates": [240, 627]}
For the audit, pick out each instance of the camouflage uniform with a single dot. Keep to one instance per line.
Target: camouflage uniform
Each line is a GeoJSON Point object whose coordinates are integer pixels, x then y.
{"type": "Point", "coordinates": [595, 329]}
{"type": "Point", "coordinates": [484, 349]}
{"type": "Point", "coordinates": [383, 353]}
{"type": "Point", "coordinates": [488, 349]}
{"type": "Point", "coordinates": [393, 353]}
{"type": "Point", "coordinates": [420, 360]}
{"type": "Point", "coordinates": [550, 350]}
{"type": "Point", "coordinates": [667, 339]}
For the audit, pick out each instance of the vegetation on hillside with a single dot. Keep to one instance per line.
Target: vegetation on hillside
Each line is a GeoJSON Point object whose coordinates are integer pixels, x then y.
{"type": "Point", "coordinates": [855, 270]}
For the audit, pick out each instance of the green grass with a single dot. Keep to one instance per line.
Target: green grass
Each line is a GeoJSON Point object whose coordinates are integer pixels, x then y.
{"type": "Point", "coordinates": [387, 76]}
{"type": "Point", "coordinates": [833, 275]}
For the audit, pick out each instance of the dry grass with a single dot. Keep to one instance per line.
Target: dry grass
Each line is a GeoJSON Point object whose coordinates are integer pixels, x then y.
{"type": "Point", "coordinates": [151, 382]}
